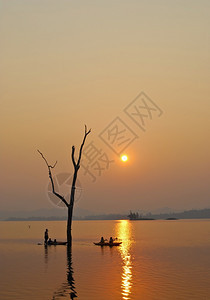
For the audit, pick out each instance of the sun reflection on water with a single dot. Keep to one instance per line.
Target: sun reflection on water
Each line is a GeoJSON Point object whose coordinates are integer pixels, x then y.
{"type": "Point", "coordinates": [123, 231]}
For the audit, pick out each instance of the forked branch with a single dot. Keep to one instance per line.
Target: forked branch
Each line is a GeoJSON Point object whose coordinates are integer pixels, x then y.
{"type": "Point", "coordinates": [77, 165]}
{"type": "Point", "coordinates": [51, 179]}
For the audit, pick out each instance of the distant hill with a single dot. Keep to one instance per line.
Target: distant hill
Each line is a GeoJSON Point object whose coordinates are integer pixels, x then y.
{"type": "Point", "coordinates": [53, 218]}
{"type": "Point", "coordinates": [188, 214]}
{"type": "Point", "coordinates": [47, 215]}
{"type": "Point", "coordinates": [43, 214]}
{"type": "Point", "coordinates": [106, 217]}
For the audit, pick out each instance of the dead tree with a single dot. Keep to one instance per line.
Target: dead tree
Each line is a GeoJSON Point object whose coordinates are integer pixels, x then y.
{"type": "Point", "coordinates": [76, 165]}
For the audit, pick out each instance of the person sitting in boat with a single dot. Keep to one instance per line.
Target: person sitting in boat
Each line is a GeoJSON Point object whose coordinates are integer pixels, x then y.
{"type": "Point", "coordinates": [46, 236]}
{"type": "Point", "coordinates": [49, 241]}
{"type": "Point", "coordinates": [55, 241]}
{"type": "Point", "coordinates": [111, 240]}
{"type": "Point", "coordinates": [102, 240]}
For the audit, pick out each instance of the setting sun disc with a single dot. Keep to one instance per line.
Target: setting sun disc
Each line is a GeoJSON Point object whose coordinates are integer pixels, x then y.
{"type": "Point", "coordinates": [124, 158]}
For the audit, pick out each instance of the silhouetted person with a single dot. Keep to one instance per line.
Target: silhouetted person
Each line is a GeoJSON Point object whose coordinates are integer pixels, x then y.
{"type": "Point", "coordinates": [102, 240]}
{"type": "Point", "coordinates": [46, 236]}
{"type": "Point", "coordinates": [111, 240]}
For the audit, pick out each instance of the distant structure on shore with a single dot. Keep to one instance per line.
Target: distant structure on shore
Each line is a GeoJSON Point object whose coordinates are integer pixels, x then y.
{"type": "Point", "coordinates": [136, 216]}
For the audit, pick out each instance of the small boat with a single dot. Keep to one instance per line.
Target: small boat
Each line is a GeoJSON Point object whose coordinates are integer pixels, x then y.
{"type": "Point", "coordinates": [108, 244]}
{"type": "Point", "coordinates": [49, 243]}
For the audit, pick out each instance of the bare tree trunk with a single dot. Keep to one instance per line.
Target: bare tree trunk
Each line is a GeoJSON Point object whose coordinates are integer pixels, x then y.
{"type": "Point", "coordinates": [76, 165]}
{"type": "Point", "coordinates": [69, 223]}
{"type": "Point", "coordinates": [71, 207]}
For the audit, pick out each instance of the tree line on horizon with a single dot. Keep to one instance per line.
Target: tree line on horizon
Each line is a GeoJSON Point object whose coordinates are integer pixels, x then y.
{"type": "Point", "coordinates": [188, 214]}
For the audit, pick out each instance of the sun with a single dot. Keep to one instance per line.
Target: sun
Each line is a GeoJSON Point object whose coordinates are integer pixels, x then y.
{"type": "Point", "coordinates": [124, 158]}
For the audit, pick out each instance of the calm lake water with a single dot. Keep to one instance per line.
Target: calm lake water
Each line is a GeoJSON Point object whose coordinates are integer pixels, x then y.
{"type": "Point", "coordinates": [157, 260]}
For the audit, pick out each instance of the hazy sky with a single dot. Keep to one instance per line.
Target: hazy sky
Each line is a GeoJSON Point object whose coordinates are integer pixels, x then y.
{"type": "Point", "coordinates": [67, 63]}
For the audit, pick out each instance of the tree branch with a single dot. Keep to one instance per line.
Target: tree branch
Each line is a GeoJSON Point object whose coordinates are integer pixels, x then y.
{"type": "Point", "coordinates": [82, 145]}
{"type": "Point", "coordinates": [51, 179]}
{"type": "Point", "coordinates": [72, 156]}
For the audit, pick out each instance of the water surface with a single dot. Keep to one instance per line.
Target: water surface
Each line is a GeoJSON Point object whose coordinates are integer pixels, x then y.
{"type": "Point", "coordinates": [157, 260]}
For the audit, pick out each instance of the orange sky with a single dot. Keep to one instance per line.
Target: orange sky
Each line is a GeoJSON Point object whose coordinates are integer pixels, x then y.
{"type": "Point", "coordinates": [66, 63]}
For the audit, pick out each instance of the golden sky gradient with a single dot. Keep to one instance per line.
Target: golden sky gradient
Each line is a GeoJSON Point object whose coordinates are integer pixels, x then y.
{"type": "Point", "coordinates": [67, 63]}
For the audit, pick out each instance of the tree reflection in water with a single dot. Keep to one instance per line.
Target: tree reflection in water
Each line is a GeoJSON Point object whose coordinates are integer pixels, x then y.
{"type": "Point", "coordinates": [68, 287]}
{"type": "Point", "coordinates": [70, 279]}
{"type": "Point", "coordinates": [123, 232]}
{"type": "Point", "coordinates": [46, 254]}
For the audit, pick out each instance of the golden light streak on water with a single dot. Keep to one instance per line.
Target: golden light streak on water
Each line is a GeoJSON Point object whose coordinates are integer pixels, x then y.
{"type": "Point", "coordinates": [123, 232]}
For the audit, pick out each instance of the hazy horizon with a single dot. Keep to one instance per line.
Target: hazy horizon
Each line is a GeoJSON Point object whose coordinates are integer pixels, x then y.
{"type": "Point", "coordinates": [65, 64]}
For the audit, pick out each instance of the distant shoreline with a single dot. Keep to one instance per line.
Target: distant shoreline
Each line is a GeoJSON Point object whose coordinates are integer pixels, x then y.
{"type": "Point", "coordinates": [60, 220]}
{"type": "Point", "coordinates": [189, 214]}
